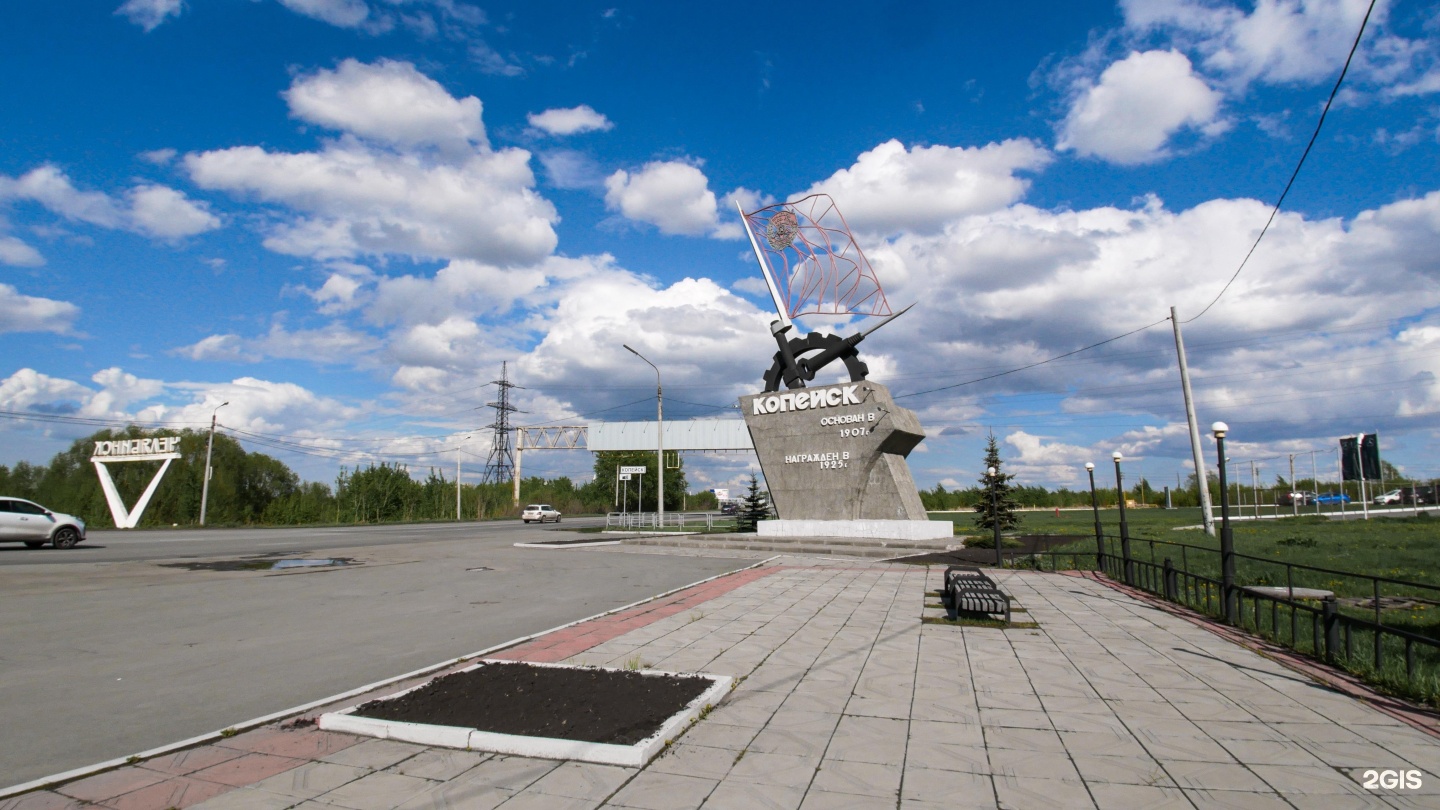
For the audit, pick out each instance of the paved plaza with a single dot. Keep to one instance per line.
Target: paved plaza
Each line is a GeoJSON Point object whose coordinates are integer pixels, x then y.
{"type": "Point", "coordinates": [847, 700]}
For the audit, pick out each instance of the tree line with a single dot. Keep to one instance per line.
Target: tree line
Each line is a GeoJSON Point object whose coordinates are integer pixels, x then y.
{"type": "Point", "coordinates": [249, 488]}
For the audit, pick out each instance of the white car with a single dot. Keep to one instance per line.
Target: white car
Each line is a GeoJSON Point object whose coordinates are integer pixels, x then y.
{"type": "Point", "coordinates": [541, 512]}
{"type": "Point", "coordinates": [27, 522]}
{"type": "Point", "coordinates": [1393, 496]}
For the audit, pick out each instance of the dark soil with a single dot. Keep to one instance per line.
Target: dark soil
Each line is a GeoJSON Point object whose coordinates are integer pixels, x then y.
{"type": "Point", "coordinates": [1029, 544]}
{"type": "Point", "coordinates": [589, 705]}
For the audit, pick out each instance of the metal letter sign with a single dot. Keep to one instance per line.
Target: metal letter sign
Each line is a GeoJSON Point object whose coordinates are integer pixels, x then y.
{"type": "Point", "coordinates": [637, 470]}
{"type": "Point", "coordinates": [624, 476]}
{"type": "Point", "coordinates": [158, 448]}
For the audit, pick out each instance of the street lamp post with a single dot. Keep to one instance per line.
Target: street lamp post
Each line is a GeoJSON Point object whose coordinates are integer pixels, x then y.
{"type": "Point", "coordinates": [1124, 527]}
{"type": "Point", "coordinates": [995, 516]}
{"type": "Point", "coordinates": [457, 479]}
{"type": "Point", "coordinates": [659, 443]}
{"type": "Point", "coordinates": [209, 447]}
{"type": "Point", "coordinates": [1227, 540]}
{"type": "Point", "coordinates": [1095, 508]}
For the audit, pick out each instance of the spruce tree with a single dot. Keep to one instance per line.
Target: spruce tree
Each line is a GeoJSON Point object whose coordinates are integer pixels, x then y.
{"type": "Point", "coordinates": [755, 508]}
{"type": "Point", "coordinates": [997, 485]}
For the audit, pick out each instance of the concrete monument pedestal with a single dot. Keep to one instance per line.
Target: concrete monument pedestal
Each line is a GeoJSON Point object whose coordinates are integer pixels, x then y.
{"type": "Point", "coordinates": [834, 462]}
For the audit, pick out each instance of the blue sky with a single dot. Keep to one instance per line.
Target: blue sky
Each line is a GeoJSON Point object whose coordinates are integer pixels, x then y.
{"type": "Point", "coordinates": [342, 215]}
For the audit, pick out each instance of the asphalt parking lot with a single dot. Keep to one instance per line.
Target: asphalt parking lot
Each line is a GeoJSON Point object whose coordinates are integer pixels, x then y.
{"type": "Point", "coordinates": [136, 642]}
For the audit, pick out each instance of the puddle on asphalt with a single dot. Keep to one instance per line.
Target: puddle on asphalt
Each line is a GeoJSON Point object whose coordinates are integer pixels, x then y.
{"type": "Point", "coordinates": [261, 564]}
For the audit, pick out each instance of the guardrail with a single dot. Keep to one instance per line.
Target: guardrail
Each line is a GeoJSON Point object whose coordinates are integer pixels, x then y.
{"type": "Point", "coordinates": [1383, 629]}
{"type": "Point", "coordinates": [678, 521]}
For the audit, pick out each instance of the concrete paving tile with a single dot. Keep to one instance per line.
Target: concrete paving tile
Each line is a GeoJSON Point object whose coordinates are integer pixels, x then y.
{"type": "Point", "coordinates": [530, 800]}
{"type": "Point", "coordinates": [1216, 776]}
{"type": "Point", "coordinates": [869, 739]}
{"type": "Point", "coordinates": [40, 800]}
{"type": "Point", "coordinates": [511, 774]}
{"type": "Point", "coordinates": [1236, 800]}
{"type": "Point", "coordinates": [742, 715]}
{"type": "Point", "coordinates": [1113, 796]}
{"type": "Point", "coordinates": [377, 791]}
{"type": "Point", "coordinates": [940, 756]}
{"type": "Point", "coordinates": [582, 780]}
{"type": "Point", "coordinates": [779, 740]}
{"type": "Point", "coordinates": [1270, 752]}
{"type": "Point", "coordinates": [246, 799]}
{"type": "Point", "coordinates": [1032, 764]}
{"type": "Point", "coordinates": [1125, 770]}
{"type": "Point", "coordinates": [775, 769]}
{"type": "Point", "coordinates": [1313, 780]}
{"type": "Point", "coordinates": [926, 732]}
{"type": "Point", "coordinates": [694, 760]}
{"type": "Point", "coordinates": [1315, 733]}
{"type": "Point", "coordinates": [718, 735]}
{"type": "Point", "coordinates": [1028, 794]}
{"type": "Point", "coordinates": [1162, 726]}
{"type": "Point", "coordinates": [439, 763]}
{"type": "Point", "coordinates": [458, 795]}
{"type": "Point", "coordinates": [821, 800]}
{"type": "Point", "coordinates": [863, 778]}
{"type": "Point", "coordinates": [987, 699]}
{"type": "Point", "coordinates": [1338, 802]}
{"type": "Point", "coordinates": [179, 792]}
{"type": "Point", "coordinates": [374, 754]}
{"type": "Point", "coordinates": [1094, 723]}
{"type": "Point", "coordinates": [940, 786]}
{"type": "Point", "coordinates": [737, 794]}
{"type": "Point", "coordinates": [895, 708]}
{"type": "Point", "coordinates": [309, 744]}
{"type": "Point", "coordinates": [1014, 718]}
{"type": "Point", "coordinates": [310, 780]}
{"type": "Point", "coordinates": [1222, 730]}
{"type": "Point", "coordinates": [109, 784]}
{"type": "Point", "coordinates": [1198, 748]}
{"type": "Point", "coordinates": [823, 702]}
{"type": "Point", "coordinates": [1025, 739]}
{"type": "Point", "coordinates": [189, 760]}
{"type": "Point", "coordinates": [664, 791]}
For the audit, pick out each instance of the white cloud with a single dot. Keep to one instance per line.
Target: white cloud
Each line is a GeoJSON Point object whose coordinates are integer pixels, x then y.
{"type": "Point", "coordinates": [25, 313]}
{"type": "Point", "coordinates": [341, 13]}
{"type": "Point", "coordinates": [1138, 104]}
{"type": "Point", "coordinates": [569, 120]}
{"type": "Point", "coordinates": [567, 168]}
{"type": "Point", "coordinates": [388, 101]}
{"type": "Point", "coordinates": [16, 252]}
{"type": "Point", "coordinates": [27, 388]}
{"type": "Point", "coordinates": [890, 188]}
{"type": "Point", "coordinates": [1278, 41]}
{"type": "Point", "coordinates": [353, 198]}
{"type": "Point", "coordinates": [160, 157]}
{"type": "Point", "coordinates": [464, 287]}
{"type": "Point", "coordinates": [674, 196]}
{"type": "Point", "coordinates": [334, 344]}
{"type": "Point", "coordinates": [153, 210]}
{"type": "Point", "coordinates": [166, 213]}
{"type": "Point", "coordinates": [149, 14]}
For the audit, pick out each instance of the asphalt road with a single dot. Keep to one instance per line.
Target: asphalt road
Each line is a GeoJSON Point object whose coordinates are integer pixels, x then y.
{"type": "Point", "coordinates": [125, 643]}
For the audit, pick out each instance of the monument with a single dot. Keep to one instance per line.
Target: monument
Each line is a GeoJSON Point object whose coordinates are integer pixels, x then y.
{"type": "Point", "coordinates": [833, 455]}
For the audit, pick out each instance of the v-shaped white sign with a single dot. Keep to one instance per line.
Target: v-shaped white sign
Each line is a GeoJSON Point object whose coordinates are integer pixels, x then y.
{"type": "Point", "coordinates": [125, 519]}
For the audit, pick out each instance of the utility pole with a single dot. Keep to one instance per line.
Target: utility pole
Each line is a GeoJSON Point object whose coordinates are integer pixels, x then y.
{"type": "Point", "coordinates": [457, 479]}
{"type": "Point", "coordinates": [1201, 482]}
{"type": "Point", "coordinates": [205, 487]}
{"type": "Point", "coordinates": [1295, 508]}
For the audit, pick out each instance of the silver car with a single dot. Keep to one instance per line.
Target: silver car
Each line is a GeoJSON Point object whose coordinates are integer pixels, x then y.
{"type": "Point", "coordinates": [540, 512]}
{"type": "Point", "coordinates": [27, 522]}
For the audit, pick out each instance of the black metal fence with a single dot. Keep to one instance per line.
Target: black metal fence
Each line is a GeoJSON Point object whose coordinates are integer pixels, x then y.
{"type": "Point", "coordinates": [1385, 630]}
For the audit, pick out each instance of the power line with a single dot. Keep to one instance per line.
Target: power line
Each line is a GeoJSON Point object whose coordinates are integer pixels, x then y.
{"type": "Point", "coordinates": [1313, 136]}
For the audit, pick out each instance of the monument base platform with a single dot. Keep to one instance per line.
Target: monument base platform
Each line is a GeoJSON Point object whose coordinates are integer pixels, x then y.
{"type": "Point", "coordinates": [878, 529]}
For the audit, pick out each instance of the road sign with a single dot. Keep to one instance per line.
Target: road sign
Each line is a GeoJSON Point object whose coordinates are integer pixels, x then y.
{"type": "Point", "coordinates": [624, 476]}
{"type": "Point", "coordinates": [640, 470]}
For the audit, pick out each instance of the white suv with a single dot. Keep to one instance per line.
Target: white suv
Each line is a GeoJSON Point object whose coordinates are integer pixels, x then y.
{"type": "Point", "coordinates": [541, 512]}
{"type": "Point", "coordinates": [23, 521]}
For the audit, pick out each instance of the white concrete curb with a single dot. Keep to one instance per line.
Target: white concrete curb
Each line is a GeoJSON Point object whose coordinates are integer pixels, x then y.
{"type": "Point", "coordinates": [631, 756]}
{"type": "Point", "coordinates": [559, 546]}
{"type": "Point", "coordinates": [246, 725]}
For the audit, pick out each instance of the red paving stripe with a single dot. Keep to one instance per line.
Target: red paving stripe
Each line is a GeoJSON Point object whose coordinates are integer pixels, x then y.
{"type": "Point", "coordinates": [562, 644]}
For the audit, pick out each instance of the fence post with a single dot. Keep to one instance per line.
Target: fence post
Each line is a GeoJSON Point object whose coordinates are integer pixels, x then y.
{"type": "Point", "coordinates": [1171, 591]}
{"type": "Point", "coordinates": [1330, 616]}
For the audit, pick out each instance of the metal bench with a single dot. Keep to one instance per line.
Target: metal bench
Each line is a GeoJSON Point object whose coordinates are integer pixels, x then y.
{"type": "Point", "coordinates": [970, 590]}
